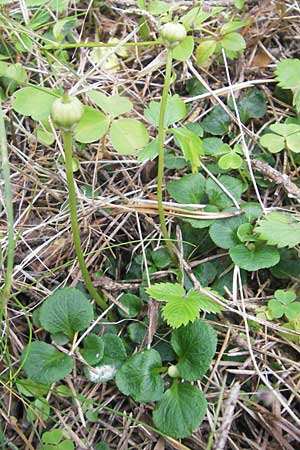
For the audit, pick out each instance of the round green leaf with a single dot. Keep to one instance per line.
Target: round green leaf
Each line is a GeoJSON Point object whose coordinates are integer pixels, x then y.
{"type": "Point", "coordinates": [275, 309]}
{"type": "Point", "coordinates": [233, 42]}
{"type": "Point", "coordinates": [44, 364]}
{"type": "Point", "coordinates": [114, 105]}
{"type": "Point", "coordinates": [92, 126]}
{"type": "Point", "coordinates": [195, 345]}
{"type": "Point", "coordinates": [216, 195]}
{"type": "Point", "coordinates": [184, 50]}
{"type": "Point", "coordinates": [273, 142]}
{"type": "Point", "coordinates": [260, 258]}
{"type": "Point", "coordinates": [161, 258]}
{"type": "Point", "coordinates": [66, 311]}
{"type": "Point", "coordinates": [230, 161]}
{"type": "Point", "coordinates": [139, 377]}
{"type": "Point", "coordinates": [224, 232]}
{"type": "Point", "coordinates": [292, 311]}
{"type": "Point", "coordinates": [93, 349]}
{"type": "Point", "coordinates": [180, 410]}
{"type": "Point", "coordinates": [133, 303]}
{"type": "Point", "coordinates": [245, 233]}
{"type": "Point", "coordinates": [188, 189]}
{"type": "Point", "coordinates": [128, 135]}
{"type": "Point", "coordinates": [293, 142]}
{"type": "Point", "coordinates": [34, 102]}
{"type": "Point", "coordinates": [52, 437]}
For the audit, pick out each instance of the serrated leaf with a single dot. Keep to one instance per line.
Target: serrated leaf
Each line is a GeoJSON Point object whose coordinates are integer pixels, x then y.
{"type": "Point", "coordinates": [44, 364]}
{"type": "Point", "coordinates": [195, 345]}
{"type": "Point", "coordinates": [224, 232]}
{"type": "Point", "coordinates": [93, 349]}
{"type": "Point", "coordinates": [188, 189]}
{"type": "Point", "coordinates": [287, 73]}
{"type": "Point", "coordinates": [180, 311]}
{"type": "Point", "coordinates": [92, 126]}
{"type": "Point", "coordinates": [34, 102]}
{"type": "Point", "coordinates": [128, 135]}
{"type": "Point", "coordinates": [251, 260]}
{"type": "Point", "coordinates": [175, 111]}
{"type": "Point", "coordinates": [139, 377]}
{"type": "Point", "coordinates": [114, 105]}
{"type": "Point", "coordinates": [205, 302]}
{"type": "Point", "coordinates": [165, 291]}
{"type": "Point", "coordinates": [66, 311]}
{"type": "Point", "coordinates": [191, 146]}
{"type": "Point", "coordinates": [180, 410]}
{"type": "Point", "coordinates": [184, 50]}
{"type": "Point", "coordinates": [279, 229]}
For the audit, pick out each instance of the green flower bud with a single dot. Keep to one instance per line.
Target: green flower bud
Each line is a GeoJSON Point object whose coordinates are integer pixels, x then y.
{"type": "Point", "coordinates": [67, 111]}
{"type": "Point", "coordinates": [172, 34]}
{"type": "Point", "coordinates": [173, 371]}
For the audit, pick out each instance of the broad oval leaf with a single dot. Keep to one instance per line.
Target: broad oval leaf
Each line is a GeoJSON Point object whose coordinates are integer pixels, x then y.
{"type": "Point", "coordinates": [92, 126]}
{"type": "Point", "coordinates": [45, 364]}
{"type": "Point", "coordinates": [128, 135]}
{"type": "Point", "coordinates": [139, 377]}
{"type": "Point", "coordinates": [224, 232]}
{"type": "Point", "coordinates": [180, 410]}
{"type": "Point", "coordinates": [195, 345]}
{"type": "Point", "coordinates": [66, 311]}
{"type": "Point", "coordinates": [132, 303]}
{"type": "Point", "coordinates": [205, 50]}
{"type": "Point", "coordinates": [273, 142]}
{"type": "Point", "coordinates": [218, 197]}
{"type": "Point", "coordinates": [188, 189]}
{"type": "Point", "coordinates": [233, 42]}
{"type": "Point", "coordinates": [34, 102]}
{"type": "Point", "coordinates": [251, 260]}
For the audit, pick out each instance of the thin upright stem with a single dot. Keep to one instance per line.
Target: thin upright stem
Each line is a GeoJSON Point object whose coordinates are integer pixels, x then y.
{"type": "Point", "coordinates": [67, 140]}
{"type": "Point", "coordinates": [9, 216]}
{"type": "Point", "coordinates": [161, 153]}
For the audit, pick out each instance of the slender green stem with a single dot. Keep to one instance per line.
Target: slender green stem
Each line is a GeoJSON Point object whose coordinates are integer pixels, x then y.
{"type": "Point", "coordinates": [67, 140]}
{"type": "Point", "coordinates": [161, 152]}
{"type": "Point", "coordinates": [9, 216]}
{"type": "Point", "coordinates": [100, 44]}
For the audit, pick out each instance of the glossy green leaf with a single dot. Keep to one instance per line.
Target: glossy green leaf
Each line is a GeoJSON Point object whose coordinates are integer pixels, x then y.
{"type": "Point", "coordinates": [66, 311]}
{"type": "Point", "coordinates": [139, 377]}
{"type": "Point", "coordinates": [132, 303]}
{"type": "Point", "coordinates": [93, 349]}
{"type": "Point", "coordinates": [218, 197]}
{"type": "Point", "coordinates": [46, 365]}
{"type": "Point", "coordinates": [180, 410]}
{"type": "Point", "coordinates": [114, 105]}
{"type": "Point", "coordinates": [217, 121]}
{"type": "Point", "coordinates": [128, 135]}
{"type": "Point", "coordinates": [251, 260]}
{"type": "Point", "coordinates": [195, 345]}
{"type": "Point", "coordinates": [92, 126]}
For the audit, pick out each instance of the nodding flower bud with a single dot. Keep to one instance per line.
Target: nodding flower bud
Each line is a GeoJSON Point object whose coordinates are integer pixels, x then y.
{"type": "Point", "coordinates": [66, 112]}
{"type": "Point", "coordinates": [172, 34]}
{"type": "Point", "coordinates": [173, 371]}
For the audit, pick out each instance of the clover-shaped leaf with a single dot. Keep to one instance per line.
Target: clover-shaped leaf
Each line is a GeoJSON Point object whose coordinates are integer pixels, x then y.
{"type": "Point", "coordinates": [195, 346]}
{"type": "Point", "coordinates": [284, 304]}
{"type": "Point", "coordinates": [180, 410]}
{"type": "Point", "coordinates": [139, 377]}
{"type": "Point", "coordinates": [45, 364]}
{"type": "Point", "coordinates": [230, 161]}
{"type": "Point", "coordinates": [285, 136]}
{"type": "Point", "coordinates": [92, 126]}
